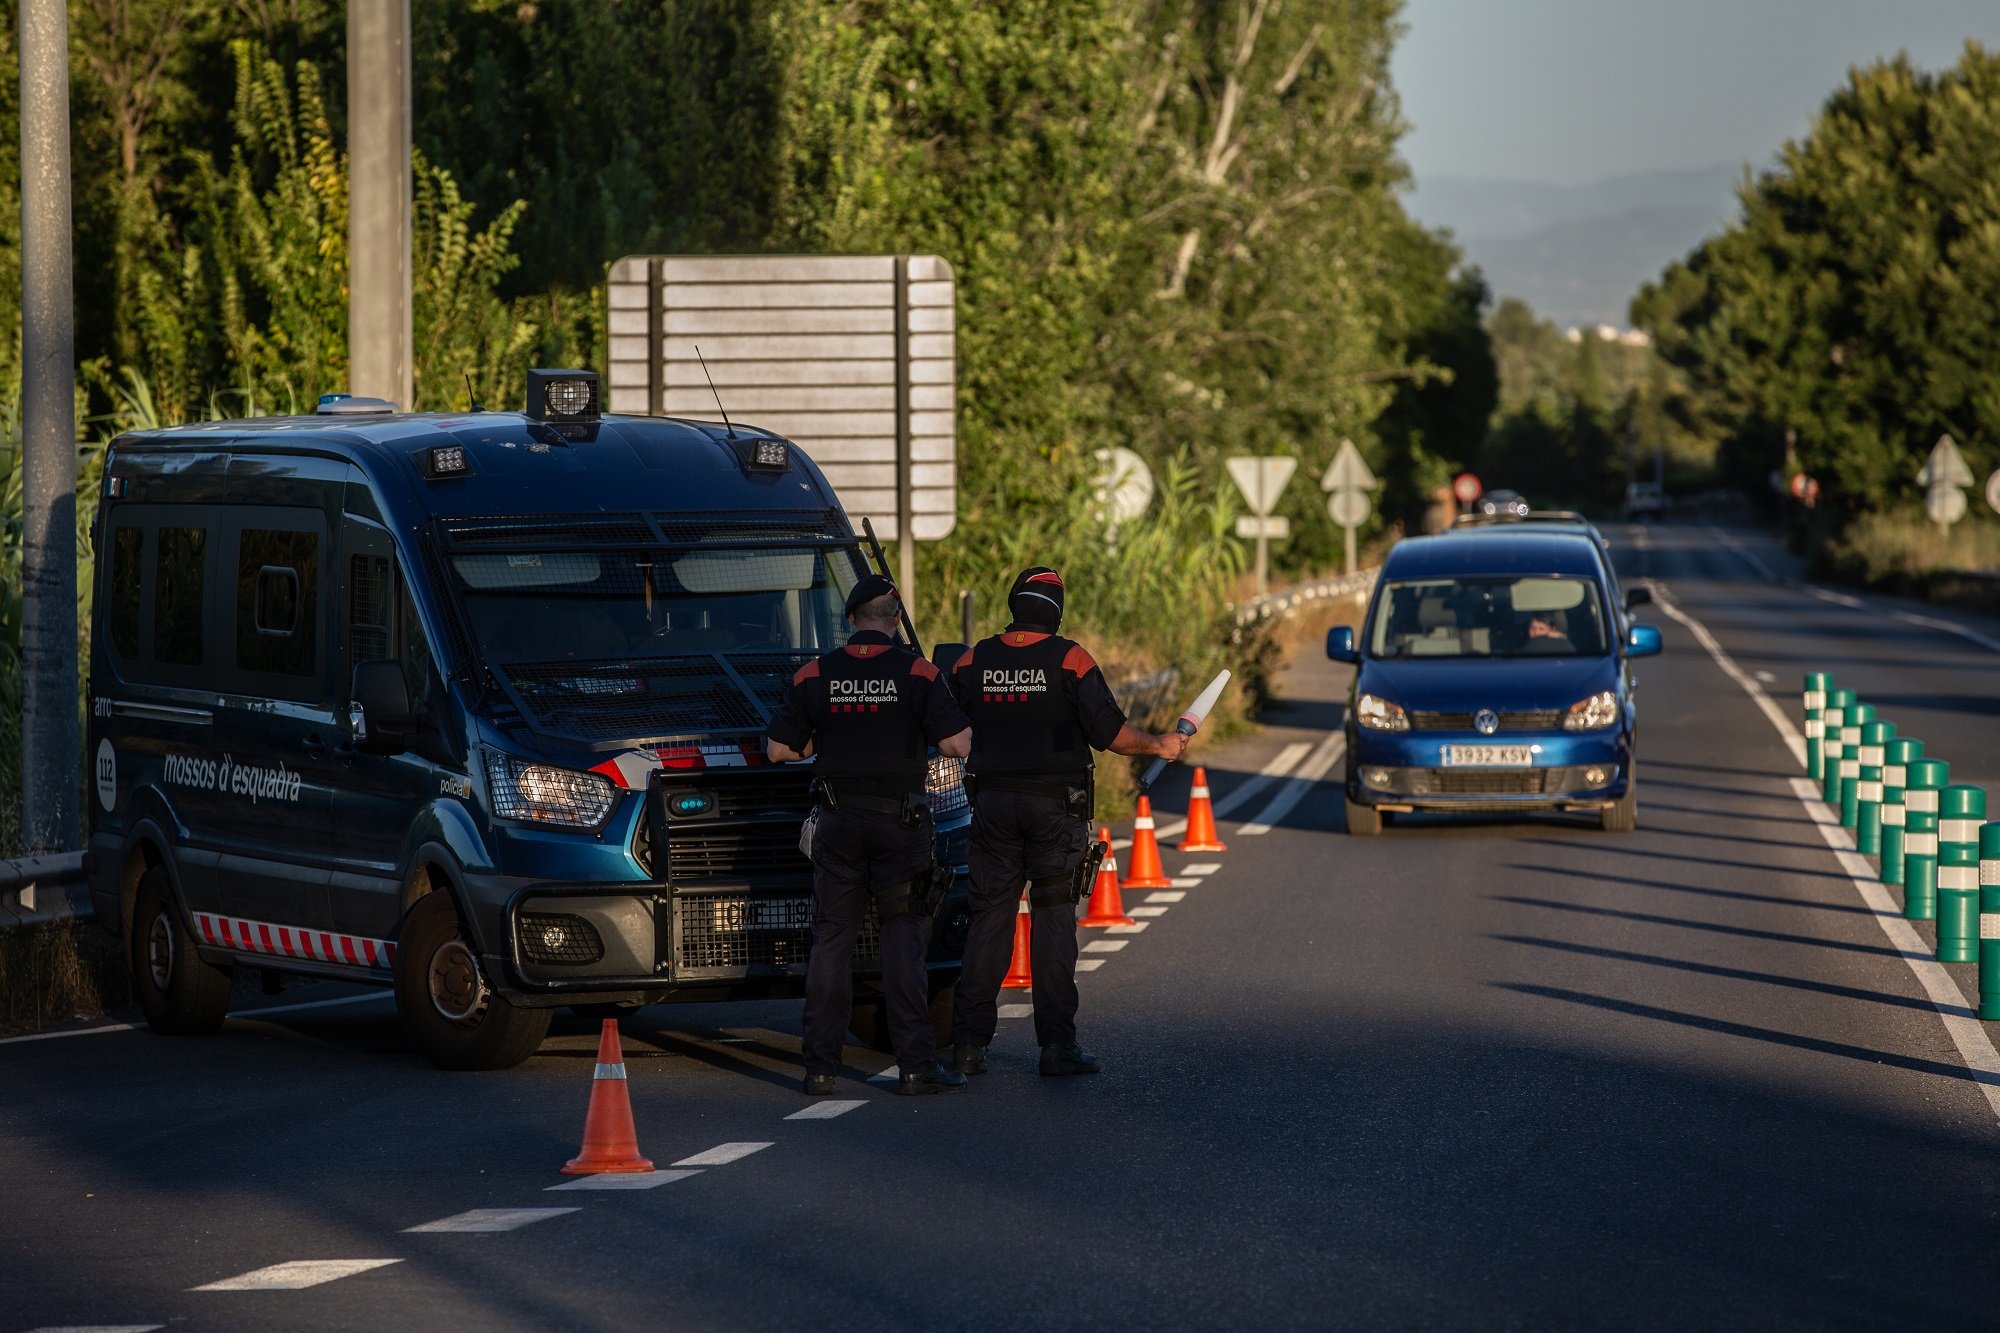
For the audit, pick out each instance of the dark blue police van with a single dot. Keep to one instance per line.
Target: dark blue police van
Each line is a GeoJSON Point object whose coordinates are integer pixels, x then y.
{"type": "Point", "coordinates": [471, 706]}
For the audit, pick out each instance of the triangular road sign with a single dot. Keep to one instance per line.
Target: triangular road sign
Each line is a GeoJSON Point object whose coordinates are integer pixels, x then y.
{"type": "Point", "coordinates": [1261, 480]}
{"type": "Point", "coordinates": [1946, 466]}
{"type": "Point", "coordinates": [1349, 471]}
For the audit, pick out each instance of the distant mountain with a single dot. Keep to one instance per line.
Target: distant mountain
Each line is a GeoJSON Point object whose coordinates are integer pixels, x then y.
{"type": "Point", "coordinates": [1578, 253]}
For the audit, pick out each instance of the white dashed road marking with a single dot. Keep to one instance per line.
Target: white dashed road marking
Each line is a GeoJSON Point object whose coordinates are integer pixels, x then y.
{"type": "Point", "coordinates": [1017, 1011]}
{"type": "Point", "coordinates": [1165, 896]}
{"type": "Point", "coordinates": [1205, 868]}
{"type": "Point", "coordinates": [96, 1328]}
{"type": "Point", "coordinates": [826, 1110]}
{"type": "Point", "coordinates": [1186, 881]}
{"type": "Point", "coordinates": [888, 1075]}
{"type": "Point", "coordinates": [722, 1154]}
{"type": "Point", "coordinates": [644, 1180]}
{"type": "Point", "coordinates": [1088, 965]}
{"type": "Point", "coordinates": [1104, 946]}
{"type": "Point", "coordinates": [1132, 929]}
{"type": "Point", "coordinates": [296, 1275]}
{"type": "Point", "coordinates": [71, 1032]}
{"type": "Point", "coordinates": [1281, 764]}
{"type": "Point", "coordinates": [1145, 911]}
{"type": "Point", "coordinates": [1295, 787]}
{"type": "Point", "coordinates": [492, 1219]}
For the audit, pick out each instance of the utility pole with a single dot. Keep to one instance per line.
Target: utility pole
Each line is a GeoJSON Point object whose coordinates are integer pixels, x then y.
{"type": "Point", "coordinates": [379, 339]}
{"type": "Point", "coordinates": [51, 743]}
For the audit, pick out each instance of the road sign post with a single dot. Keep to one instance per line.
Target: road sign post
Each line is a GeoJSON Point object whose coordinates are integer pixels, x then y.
{"type": "Point", "coordinates": [1897, 757]}
{"type": "Point", "coordinates": [1927, 777]}
{"type": "Point", "coordinates": [1347, 483]}
{"type": "Point", "coordinates": [1262, 481]}
{"type": "Point", "coordinates": [1962, 809]}
{"type": "Point", "coordinates": [1875, 738]}
{"type": "Point", "coordinates": [1944, 476]}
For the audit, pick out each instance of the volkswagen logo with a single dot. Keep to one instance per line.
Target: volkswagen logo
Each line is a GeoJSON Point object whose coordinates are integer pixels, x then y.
{"type": "Point", "coordinates": [1486, 722]}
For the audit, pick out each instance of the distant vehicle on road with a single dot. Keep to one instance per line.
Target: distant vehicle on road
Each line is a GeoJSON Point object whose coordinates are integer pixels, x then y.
{"type": "Point", "coordinates": [1502, 503]}
{"type": "Point", "coordinates": [1645, 499]}
{"type": "Point", "coordinates": [1493, 675]}
{"type": "Point", "coordinates": [471, 705]}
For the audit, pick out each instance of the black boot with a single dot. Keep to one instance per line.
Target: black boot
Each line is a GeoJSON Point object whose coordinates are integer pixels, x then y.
{"type": "Point", "coordinates": [968, 1058]}
{"type": "Point", "coordinates": [1060, 1060]}
{"type": "Point", "coordinates": [819, 1085]}
{"type": "Point", "coordinates": [933, 1078]}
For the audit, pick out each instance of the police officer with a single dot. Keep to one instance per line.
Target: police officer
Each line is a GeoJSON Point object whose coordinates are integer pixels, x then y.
{"type": "Point", "coordinates": [1039, 705]}
{"type": "Point", "coordinates": [870, 710]}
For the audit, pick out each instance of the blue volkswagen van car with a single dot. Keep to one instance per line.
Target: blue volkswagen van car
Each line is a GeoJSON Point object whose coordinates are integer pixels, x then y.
{"type": "Point", "coordinates": [468, 705]}
{"type": "Point", "coordinates": [1493, 674]}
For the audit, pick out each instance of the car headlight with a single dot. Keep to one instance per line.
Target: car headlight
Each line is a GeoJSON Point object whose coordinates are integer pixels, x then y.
{"type": "Point", "coordinates": [944, 784]}
{"type": "Point", "coordinates": [1598, 711]}
{"type": "Point", "coordinates": [1380, 715]}
{"type": "Point", "coordinates": [544, 794]}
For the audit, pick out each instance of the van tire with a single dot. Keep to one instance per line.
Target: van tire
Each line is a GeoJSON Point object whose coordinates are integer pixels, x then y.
{"type": "Point", "coordinates": [1622, 816]}
{"type": "Point", "coordinates": [182, 994]}
{"type": "Point", "coordinates": [465, 1025]}
{"type": "Point", "coordinates": [1363, 821]}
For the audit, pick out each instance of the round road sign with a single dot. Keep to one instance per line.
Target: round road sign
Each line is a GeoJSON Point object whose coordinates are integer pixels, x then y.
{"type": "Point", "coordinates": [1993, 490]}
{"type": "Point", "coordinates": [1466, 487]}
{"type": "Point", "coordinates": [1350, 509]}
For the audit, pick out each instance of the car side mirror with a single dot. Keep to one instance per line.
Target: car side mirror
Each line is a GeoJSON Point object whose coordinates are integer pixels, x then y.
{"type": "Point", "coordinates": [1340, 644]}
{"type": "Point", "coordinates": [1639, 596]}
{"type": "Point", "coordinates": [1643, 641]}
{"type": "Point", "coordinates": [944, 656]}
{"type": "Point", "coordinates": [379, 707]}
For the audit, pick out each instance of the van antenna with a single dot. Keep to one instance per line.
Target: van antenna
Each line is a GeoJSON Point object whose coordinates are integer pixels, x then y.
{"type": "Point", "coordinates": [470, 396]}
{"type": "Point", "coordinates": [718, 397]}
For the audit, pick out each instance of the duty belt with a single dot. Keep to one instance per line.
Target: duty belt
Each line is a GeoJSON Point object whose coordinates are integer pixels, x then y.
{"type": "Point", "coordinates": [879, 805]}
{"type": "Point", "coordinates": [1028, 786]}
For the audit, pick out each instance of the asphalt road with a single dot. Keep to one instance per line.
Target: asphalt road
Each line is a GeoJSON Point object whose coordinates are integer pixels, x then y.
{"type": "Point", "coordinates": [1490, 1074]}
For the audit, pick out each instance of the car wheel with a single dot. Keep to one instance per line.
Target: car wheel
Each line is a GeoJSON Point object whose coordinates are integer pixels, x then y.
{"type": "Point", "coordinates": [1363, 821]}
{"type": "Point", "coordinates": [452, 1015]}
{"type": "Point", "coordinates": [1623, 815]}
{"type": "Point", "coordinates": [182, 995]}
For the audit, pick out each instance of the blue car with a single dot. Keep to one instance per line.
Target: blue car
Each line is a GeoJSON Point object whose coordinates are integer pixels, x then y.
{"type": "Point", "coordinates": [1493, 674]}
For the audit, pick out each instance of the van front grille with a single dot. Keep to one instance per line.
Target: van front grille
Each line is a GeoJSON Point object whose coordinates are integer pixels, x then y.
{"type": "Point", "coordinates": [733, 931]}
{"type": "Point", "coordinates": [1538, 719]}
{"type": "Point", "coordinates": [1483, 781]}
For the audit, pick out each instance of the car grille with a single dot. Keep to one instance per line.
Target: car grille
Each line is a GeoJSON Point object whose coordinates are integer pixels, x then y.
{"type": "Point", "coordinates": [753, 832]}
{"type": "Point", "coordinates": [1538, 719]}
{"type": "Point", "coordinates": [1483, 782]}
{"type": "Point", "coordinates": [734, 932]}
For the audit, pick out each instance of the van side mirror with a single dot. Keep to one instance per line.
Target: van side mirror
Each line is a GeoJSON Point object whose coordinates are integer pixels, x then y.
{"type": "Point", "coordinates": [1639, 596]}
{"type": "Point", "coordinates": [379, 711]}
{"type": "Point", "coordinates": [1340, 644]}
{"type": "Point", "coordinates": [945, 656]}
{"type": "Point", "coordinates": [1643, 641]}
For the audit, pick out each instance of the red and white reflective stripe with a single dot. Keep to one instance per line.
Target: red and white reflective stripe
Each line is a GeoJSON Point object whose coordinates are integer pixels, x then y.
{"type": "Point", "coordinates": [635, 768]}
{"type": "Point", "coordinates": [319, 946]}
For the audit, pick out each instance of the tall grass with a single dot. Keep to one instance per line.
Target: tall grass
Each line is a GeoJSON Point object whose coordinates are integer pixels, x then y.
{"type": "Point", "coordinates": [1903, 551]}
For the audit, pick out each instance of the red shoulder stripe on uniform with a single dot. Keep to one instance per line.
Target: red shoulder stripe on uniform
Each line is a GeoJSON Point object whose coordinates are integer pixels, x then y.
{"type": "Point", "coordinates": [922, 670]}
{"type": "Point", "coordinates": [1078, 662]}
{"type": "Point", "coordinates": [966, 660]}
{"type": "Point", "coordinates": [810, 671]}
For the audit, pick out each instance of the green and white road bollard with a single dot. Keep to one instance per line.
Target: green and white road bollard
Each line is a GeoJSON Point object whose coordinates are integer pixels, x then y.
{"type": "Point", "coordinates": [1898, 755]}
{"type": "Point", "coordinates": [1927, 777]}
{"type": "Point", "coordinates": [1817, 684]}
{"type": "Point", "coordinates": [1835, 718]}
{"type": "Point", "coordinates": [1848, 789]}
{"type": "Point", "coordinates": [1989, 921]}
{"type": "Point", "coordinates": [1875, 738]}
{"type": "Point", "coordinates": [1961, 810]}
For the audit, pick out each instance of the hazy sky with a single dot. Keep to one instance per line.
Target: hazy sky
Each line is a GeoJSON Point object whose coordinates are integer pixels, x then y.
{"type": "Point", "coordinates": [1576, 90]}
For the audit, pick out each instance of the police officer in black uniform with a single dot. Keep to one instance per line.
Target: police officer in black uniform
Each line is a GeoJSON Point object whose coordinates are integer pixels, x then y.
{"type": "Point", "coordinates": [1039, 705]}
{"type": "Point", "coordinates": [870, 710]}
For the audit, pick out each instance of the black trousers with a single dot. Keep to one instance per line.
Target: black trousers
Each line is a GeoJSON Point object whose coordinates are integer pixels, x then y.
{"type": "Point", "coordinates": [857, 854]}
{"type": "Point", "coordinates": [1021, 840]}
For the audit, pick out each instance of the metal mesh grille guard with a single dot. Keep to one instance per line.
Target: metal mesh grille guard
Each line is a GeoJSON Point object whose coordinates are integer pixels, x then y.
{"type": "Point", "coordinates": [647, 701]}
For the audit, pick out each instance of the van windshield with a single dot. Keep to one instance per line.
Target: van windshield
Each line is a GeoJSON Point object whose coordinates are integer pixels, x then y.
{"type": "Point", "coordinates": [636, 606]}
{"type": "Point", "coordinates": [1537, 616]}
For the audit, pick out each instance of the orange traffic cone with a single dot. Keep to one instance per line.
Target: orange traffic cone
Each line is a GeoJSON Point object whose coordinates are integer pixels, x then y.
{"type": "Point", "coordinates": [1020, 972]}
{"type": "Point", "coordinates": [1146, 872]}
{"type": "Point", "coordinates": [609, 1141]}
{"type": "Point", "coordinates": [1200, 835]}
{"type": "Point", "coordinates": [1107, 905]}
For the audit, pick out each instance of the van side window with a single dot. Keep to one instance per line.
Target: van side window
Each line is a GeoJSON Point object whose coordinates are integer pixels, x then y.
{"type": "Point", "coordinates": [277, 602]}
{"type": "Point", "coordinates": [382, 624]}
{"type": "Point", "coordinates": [178, 563]}
{"type": "Point", "coordinates": [416, 656]}
{"type": "Point", "coordinates": [128, 550]}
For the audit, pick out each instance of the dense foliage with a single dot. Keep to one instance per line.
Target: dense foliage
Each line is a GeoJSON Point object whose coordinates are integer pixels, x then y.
{"type": "Point", "coordinates": [1846, 319]}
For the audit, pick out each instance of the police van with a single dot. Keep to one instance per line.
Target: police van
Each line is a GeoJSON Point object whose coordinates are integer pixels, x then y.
{"type": "Point", "coordinates": [468, 705]}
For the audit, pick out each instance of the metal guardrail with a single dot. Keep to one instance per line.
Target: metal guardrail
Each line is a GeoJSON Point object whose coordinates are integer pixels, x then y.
{"type": "Point", "coordinates": [1278, 603]}
{"type": "Point", "coordinates": [42, 891]}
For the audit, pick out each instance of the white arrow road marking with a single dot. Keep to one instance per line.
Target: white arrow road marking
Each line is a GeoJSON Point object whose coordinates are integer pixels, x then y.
{"type": "Point", "coordinates": [1966, 1032]}
{"type": "Point", "coordinates": [826, 1110]}
{"type": "Point", "coordinates": [1294, 789]}
{"type": "Point", "coordinates": [296, 1275]}
{"type": "Point", "coordinates": [1242, 794]}
{"type": "Point", "coordinates": [492, 1219]}
{"type": "Point", "coordinates": [627, 1180]}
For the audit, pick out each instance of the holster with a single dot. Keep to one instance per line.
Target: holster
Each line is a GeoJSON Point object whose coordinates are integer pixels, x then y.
{"type": "Point", "coordinates": [1086, 871]}
{"type": "Point", "coordinates": [928, 892]}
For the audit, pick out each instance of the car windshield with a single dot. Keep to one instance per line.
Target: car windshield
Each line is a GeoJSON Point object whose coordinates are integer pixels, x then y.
{"type": "Point", "coordinates": [635, 606]}
{"type": "Point", "coordinates": [1537, 616]}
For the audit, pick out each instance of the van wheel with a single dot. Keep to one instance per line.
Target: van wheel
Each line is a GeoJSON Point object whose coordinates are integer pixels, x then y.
{"type": "Point", "coordinates": [868, 1021]}
{"type": "Point", "coordinates": [181, 994]}
{"type": "Point", "coordinates": [1623, 815]}
{"type": "Point", "coordinates": [451, 1014]}
{"type": "Point", "coordinates": [1363, 821]}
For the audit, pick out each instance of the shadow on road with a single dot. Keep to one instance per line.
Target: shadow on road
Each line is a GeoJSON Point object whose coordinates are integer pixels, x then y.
{"type": "Point", "coordinates": [1737, 895]}
{"type": "Point", "coordinates": [1713, 927]}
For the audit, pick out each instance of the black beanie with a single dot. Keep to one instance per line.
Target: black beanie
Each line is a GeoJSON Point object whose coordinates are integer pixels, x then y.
{"type": "Point", "coordinates": [1037, 597]}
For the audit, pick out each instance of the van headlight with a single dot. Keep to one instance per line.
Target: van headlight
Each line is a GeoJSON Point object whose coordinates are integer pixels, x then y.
{"type": "Point", "coordinates": [944, 784]}
{"type": "Point", "coordinates": [1598, 711]}
{"type": "Point", "coordinates": [1380, 715]}
{"type": "Point", "coordinates": [544, 794]}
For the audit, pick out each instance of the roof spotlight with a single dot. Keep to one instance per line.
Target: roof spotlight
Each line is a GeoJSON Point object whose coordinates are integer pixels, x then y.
{"type": "Point", "coordinates": [563, 396]}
